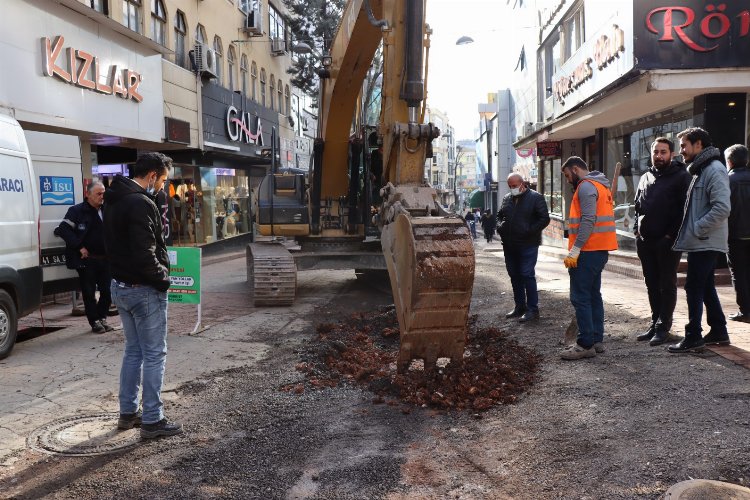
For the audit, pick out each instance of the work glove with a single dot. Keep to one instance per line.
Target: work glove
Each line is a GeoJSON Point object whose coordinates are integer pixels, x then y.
{"type": "Point", "coordinates": [572, 259]}
{"type": "Point", "coordinates": [570, 262]}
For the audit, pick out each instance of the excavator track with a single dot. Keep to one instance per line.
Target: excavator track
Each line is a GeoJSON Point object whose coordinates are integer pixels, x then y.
{"type": "Point", "coordinates": [431, 264]}
{"type": "Point", "coordinates": [272, 274]}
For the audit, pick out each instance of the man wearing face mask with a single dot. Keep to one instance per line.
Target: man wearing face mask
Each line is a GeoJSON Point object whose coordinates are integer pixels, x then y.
{"type": "Point", "coordinates": [140, 272]}
{"type": "Point", "coordinates": [522, 217]}
{"type": "Point", "coordinates": [658, 213]}
{"type": "Point", "coordinates": [591, 236]}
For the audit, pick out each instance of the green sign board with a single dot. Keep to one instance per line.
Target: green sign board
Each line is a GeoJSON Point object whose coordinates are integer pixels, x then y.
{"type": "Point", "coordinates": [185, 275]}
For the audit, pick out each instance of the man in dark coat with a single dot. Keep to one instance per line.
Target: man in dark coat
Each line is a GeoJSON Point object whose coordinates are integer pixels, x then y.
{"type": "Point", "coordinates": [522, 217]}
{"type": "Point", "coordinates": [659, 202]}
{"type": "Point", "coordinates": [489, 223]}
{"type": "Point", "coordinates": [739, 229]}
{"type": "Point", "coordinates": [140, 272]}
{"type": "Point", "coordinates": [83, 232]}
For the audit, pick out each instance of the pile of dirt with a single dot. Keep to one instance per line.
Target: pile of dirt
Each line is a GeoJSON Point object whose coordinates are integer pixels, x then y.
{"type": "Point", "coordinates": [363, 350]}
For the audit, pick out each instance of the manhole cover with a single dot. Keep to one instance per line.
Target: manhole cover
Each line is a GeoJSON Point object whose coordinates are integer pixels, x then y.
{"type": "Point", "coordinates": [83, 435]}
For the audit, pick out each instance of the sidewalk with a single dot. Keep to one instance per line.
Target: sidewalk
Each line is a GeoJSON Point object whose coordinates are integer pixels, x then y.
{"type": "Point", "coordinates": [630, 294]}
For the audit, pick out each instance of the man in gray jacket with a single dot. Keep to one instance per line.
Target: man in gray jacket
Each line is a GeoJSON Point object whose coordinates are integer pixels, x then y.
{"type": "Point", "coordinates": [703, 236]}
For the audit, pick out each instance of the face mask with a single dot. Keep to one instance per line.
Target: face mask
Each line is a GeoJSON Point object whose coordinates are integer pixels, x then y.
{"type": "Point", "coordinates": [515, 191]}
{"type": "Point", "coordinates": [151, 188]}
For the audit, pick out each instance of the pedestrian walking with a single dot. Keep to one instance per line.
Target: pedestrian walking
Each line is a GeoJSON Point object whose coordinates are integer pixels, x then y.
{"type": "Point", "coordinates": [738, 257]}
{"type": "Point", "coordinates": [140, 270]}
{"type": "Point", "coordinates": [489, 223]}
{"type": "Point", "coordinates": [659, 201]}
{"type": "Point", "coordinates": [472, 222]}
{"type": "Point", "coordinates": [83, 232]}
{"type": "Point", "coordinates": [591, 229]}
{"type": "Point", "coordinates": [703, 234]}
{"type": "Point", "coordinates": [522, 217]}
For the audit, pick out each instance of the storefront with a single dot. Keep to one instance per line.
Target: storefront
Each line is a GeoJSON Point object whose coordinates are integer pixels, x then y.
{"type": "Point", "coordinates": [211, 192]}
{"type": "Point", "coordinates": [76, 81]}
{"type": "Point", "coordinates": [645, 70]}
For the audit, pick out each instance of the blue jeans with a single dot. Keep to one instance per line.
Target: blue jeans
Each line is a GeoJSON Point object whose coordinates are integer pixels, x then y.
{"type": "Point", "coordinates": [586, 296]}
{"type": "Point", "coordinates": [143, 311]}
{"type": "Point", "coordinates": [700, 289]}
{"type": "Point", "coordinates": [520, 262]}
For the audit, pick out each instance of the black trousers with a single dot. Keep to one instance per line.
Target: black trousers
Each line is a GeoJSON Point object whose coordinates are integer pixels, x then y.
{"type": "Point", "coordinates": [659, 263]}
{"type": "Point", "coordinates": [738, 259]}
{"type": "Point", "coordinates": [95, 275]}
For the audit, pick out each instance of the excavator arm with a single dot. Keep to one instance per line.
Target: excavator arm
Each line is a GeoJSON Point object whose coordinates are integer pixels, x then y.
{"type": "Point", "coordinates": [429, 253]}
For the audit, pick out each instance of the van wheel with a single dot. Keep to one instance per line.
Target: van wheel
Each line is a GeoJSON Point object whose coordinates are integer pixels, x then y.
{"type": "Point", "coordinates": [8, 324]}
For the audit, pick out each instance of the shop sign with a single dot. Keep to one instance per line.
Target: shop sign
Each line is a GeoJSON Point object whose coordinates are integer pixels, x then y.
{"type": "Point", "coordinates": [184, 275]}
{"type": "Point", "coordinates": [56, 190]}
{"type": "Point", "coordinates": [84, 70]}
{"type": "Point", "coordinates": [177, 130]}
{"type": "Point", "coordinates": [692, 34]}
{"type": "Point", "coordinates": [607, 48]}
{"type": "Point", "coordinates": [549, 148]}
{"type": "Point", "coordinates": [238, 127]}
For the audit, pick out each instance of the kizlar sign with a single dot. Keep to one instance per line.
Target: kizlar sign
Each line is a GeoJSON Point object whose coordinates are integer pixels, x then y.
{"type": "Point", "coordinates": [238, 127]}
{"type": "Point", "coordinates": [123, 83]}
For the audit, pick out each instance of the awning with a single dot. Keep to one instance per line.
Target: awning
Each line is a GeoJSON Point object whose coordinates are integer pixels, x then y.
{"type": "Point", "coordinates": [651, 92]}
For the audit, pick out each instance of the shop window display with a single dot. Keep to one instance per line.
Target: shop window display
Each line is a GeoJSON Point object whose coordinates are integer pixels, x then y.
{"type": "Point", "coordinates": [231, 203]}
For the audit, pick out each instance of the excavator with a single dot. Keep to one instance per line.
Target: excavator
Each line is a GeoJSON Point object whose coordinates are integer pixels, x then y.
{"type": "Point", "coordinates": [428, 252]}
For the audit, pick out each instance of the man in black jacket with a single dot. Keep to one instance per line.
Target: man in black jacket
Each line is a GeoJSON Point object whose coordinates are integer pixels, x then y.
{"type": "Point", "coordinates": [739, 229]}
{"type": "Point", "coordinates": [659, 203]}
{"type": "Point", "coordinates": [140, 271]}
{"type": "Point", "coordinates": [83, 232]}
{"type": "Point", "coordinates": [522, 217]}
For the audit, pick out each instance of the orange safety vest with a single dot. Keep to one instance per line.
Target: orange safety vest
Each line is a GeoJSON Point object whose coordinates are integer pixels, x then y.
{"type": "Point", "coordinates": [603, 236]}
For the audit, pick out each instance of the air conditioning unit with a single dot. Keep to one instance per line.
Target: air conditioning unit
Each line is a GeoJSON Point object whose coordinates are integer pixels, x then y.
{"type": "Point", "coordinates": [254, 21]}
{"type": "Point", "coordinates": [278, 46]}
{"type": "Point", "coordinates": [205, 60]}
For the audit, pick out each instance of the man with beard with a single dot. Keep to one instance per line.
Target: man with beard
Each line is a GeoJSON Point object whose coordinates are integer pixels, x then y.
{"type": "Point", "coordinates": [591, 236]}
{"type": "Point", "coordinates": [659, 202]}
{"type": "Point", "coordinates": [703, 235]}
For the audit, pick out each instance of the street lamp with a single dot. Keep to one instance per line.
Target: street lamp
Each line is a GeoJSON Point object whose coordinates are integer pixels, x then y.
{"type": "Point", "coordinates": [464, 40]}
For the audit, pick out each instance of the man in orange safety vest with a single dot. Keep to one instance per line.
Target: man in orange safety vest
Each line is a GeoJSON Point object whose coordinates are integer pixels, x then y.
{"type": "Point", "coordinates": [591, 235]}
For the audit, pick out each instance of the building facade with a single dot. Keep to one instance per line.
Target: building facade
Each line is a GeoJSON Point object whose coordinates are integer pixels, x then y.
{"type": "Point", "coordinates": [204, 82]}
{"type": "Point", "coordinates": [610, 77]}
{"type": "Point", "coordinates": [437, 168]}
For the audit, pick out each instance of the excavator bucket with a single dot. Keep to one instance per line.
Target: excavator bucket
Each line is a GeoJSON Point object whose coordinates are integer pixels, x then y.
{"type": "Point", "coordinates": [431, 265]}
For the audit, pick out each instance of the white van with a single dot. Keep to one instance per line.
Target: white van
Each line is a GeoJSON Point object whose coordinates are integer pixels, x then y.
{"type": "Point", "coordinates": [20, 272]}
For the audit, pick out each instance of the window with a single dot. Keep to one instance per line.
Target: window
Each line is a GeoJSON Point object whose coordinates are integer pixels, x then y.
{"type": "Point", "coordinates": [262, 87]}
{"type": "Point", "coordinates": [247, 5]}
{"type": "Point", "coordinates": [287, 101]}
{"type": "Point", "coordinates": [552, 54]}
{"type": "Point", "coordinates": [243, 74]}
{"type": "Point", "coordinates": [276, 25]}
{"type": "Point", "coordinates": [180, 29]}
{"type": "Point", "coordinates": [158, 22]}
{"type": "Point", "coordinates": [271, 86]}
{"type": "Point", "coordinates": [200, 34]}
{"type": "Point", "coordinates": [219, 51]}
{"type": "Point", "coordinates": [254, 81]}
{"type": "Point", "coordinates": [552, 185]}
{"type": "Point", "coordinates": [99, 6]}
{"type": "Point", "coordinates": [572, 28]}
{"type": "Point", "coordinates": [230, 68]}
{"type": "Point", "coordinates": [280, 100]}
{"type": "Point", "coordinates": [131, 13]}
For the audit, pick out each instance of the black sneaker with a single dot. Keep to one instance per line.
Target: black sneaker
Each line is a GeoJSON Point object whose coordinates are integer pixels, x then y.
{"type": "Point", "coordinates": [716, 338]}
{"type": "Point", "coordinates": [129, 420]}
{"type": "Point", "coordinates": [740, 316]}
{"type": "Point", "coordinates": [647, 335]}
{"type": "Point", "coordinates": [660, 337]}
{"type": "Point", "coordinates": [107, 327]}
{"type": "Point", "coordinates": [529, 316]}
{"type": "Point", "coordinates": [97, 327]}
{"type": "Point", "coordinates": [516, 312]}
{"type": "Point", "coordinates": [161, 428]}
{"type": "Point", "coordinates": [695, 344]}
